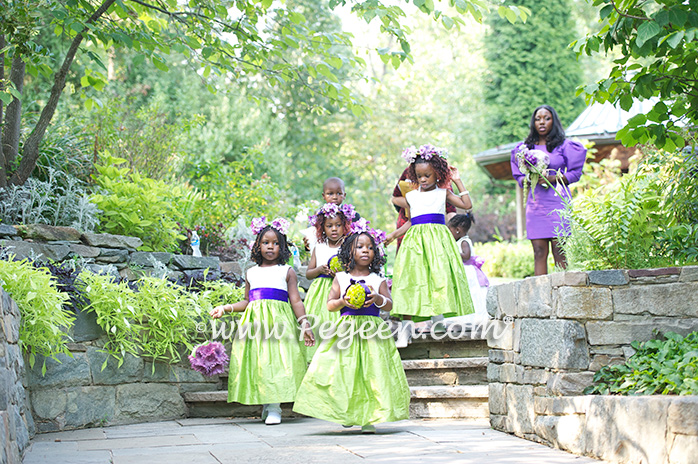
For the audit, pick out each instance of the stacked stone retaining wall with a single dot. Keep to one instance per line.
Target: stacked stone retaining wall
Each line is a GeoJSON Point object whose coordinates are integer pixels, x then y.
{"type": "Point", "coordinates": [16, 422]}
{"type": "Point", "coordinates": [561, 329]}
{"type": "Point", "coordinates": [104, 253]}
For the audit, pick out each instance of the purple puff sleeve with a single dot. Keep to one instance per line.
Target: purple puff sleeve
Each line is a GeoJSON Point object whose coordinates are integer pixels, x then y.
{"type": "Point", "coordinates": [575, 155]}
{"type": "Point", "coordinates": [518, 176]}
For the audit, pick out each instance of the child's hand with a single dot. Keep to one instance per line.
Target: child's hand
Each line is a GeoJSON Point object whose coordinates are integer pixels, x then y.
{"type": "Point", "coordinates": [325, 269]}
{"type": "Point", "coordinates": [217, 311]}
{"type": "Point", "coordinates": [306, 243]}
{"type": "Point", "coordinates": [389, 239]}
{"type": "Point", "coordinates": [308, 336]}
{"type": "Point", "coordinates": [455, 175]}
{"type": "Point", "coordinates": [370, 299]}
{"type": "Point", "coordinates": [345, 299]}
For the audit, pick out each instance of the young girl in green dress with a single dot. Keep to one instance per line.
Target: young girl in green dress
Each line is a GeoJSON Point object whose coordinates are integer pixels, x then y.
{"type": "Point", "coordinates": [266, 369]}
{"type": "Point", "coordinates": [356, 377]}
{"type": "Point", "coordinates": [331, 223]}
{"type": "Point", "coordinates": [428, 275]}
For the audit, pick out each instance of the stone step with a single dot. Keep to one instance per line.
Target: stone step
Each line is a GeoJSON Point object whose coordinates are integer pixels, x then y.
{"type": "Point", "coordinates": [461, 401]}
{"type": "Point", "coordinates": [454, 402]}
{"type": "Point", "coordinates": [448, 371]}
{"type": "Point", "coordinates": [443, 346]}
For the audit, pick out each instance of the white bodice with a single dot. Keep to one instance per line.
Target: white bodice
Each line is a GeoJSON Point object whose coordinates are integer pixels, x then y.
{"type": "Point", "coordinates": [268, 277]}
{"type": "Point", "coordinates": [323, 253]}
{"type": "Point", "coordinates": [460, 241]}
{"type": "Point", "coordinates": [373, 280]}
{"type": "Point", "coordinates": [431, 202]}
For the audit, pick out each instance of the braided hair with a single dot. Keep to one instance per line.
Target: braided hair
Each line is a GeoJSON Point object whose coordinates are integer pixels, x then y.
{"type": "Point", "coordinates": [464, 221]}
{"type": "Point", "coordinates": [554, 138]}
{"type": "Point", "coordinates": [440, 165]}
{"type": "Point", "coordinates": [346, 253]}
{"type": "Point", "coordinates": [284, 251]}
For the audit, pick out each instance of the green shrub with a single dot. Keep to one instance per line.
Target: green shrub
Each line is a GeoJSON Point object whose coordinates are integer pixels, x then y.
{"type": "Point", "coordinates": [159, 320]}
{"type": "Point", "coordinates": [42, 307]}
{"type": "Point", "coordinates": [136, 206]}
{"type": "Point", "coordinates": [666, 367]}
{"type": "Point", "coordinates": [644, 219]}
{"type": "Point", "coordinates": [60, 200]}
{"type": "Point", "coordinates": [506, 259]}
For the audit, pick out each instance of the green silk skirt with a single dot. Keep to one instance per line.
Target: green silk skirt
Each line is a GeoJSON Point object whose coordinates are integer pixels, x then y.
{"type": "Point", "coordinates": [316, 308]}
{"type": "Point", "coordinates": [356, 377]}
{"type": "Point", "coordinates": [266, 369]}
{"type": "Point", "coordinates": [428, 275]}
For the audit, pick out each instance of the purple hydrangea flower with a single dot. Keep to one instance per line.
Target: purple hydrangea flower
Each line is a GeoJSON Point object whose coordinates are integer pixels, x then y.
{"type": "Point", "coordinates": [209, 358]}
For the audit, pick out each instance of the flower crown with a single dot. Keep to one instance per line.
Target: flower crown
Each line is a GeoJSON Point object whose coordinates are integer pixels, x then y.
{"type": "Point", "coordinates": [280, 224]}
{"type": "Point", "coordinates": [330, 210]}
{"type": "Point", "coordinates": [362, 225]}
{"type": "Point", "coordinates": [427, 151]}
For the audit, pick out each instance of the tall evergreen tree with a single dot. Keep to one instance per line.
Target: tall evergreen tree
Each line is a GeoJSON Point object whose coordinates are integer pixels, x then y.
{"type": "Point", "coordinates": [530, 65]}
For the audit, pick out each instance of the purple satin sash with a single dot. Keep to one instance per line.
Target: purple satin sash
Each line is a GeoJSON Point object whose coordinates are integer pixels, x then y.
{"type": "Point", "coordinates": [429, 219]}
{"type": "Point", "coordinates": [268, 294]}
{"type": "Point", "coordinates": [324, 276]}
{"type": "Point", "coordinates": [478, 261]}
{"type": "Point", "coordinates": [366, 311]}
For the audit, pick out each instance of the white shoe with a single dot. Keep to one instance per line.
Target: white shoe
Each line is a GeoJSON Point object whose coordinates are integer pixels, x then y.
{"type": "Point", "coordinates": [368, 428]}
{"type": "Point", "coordinates": [272, 414]}
{"type": "Point", "coordinates": [404, 334]}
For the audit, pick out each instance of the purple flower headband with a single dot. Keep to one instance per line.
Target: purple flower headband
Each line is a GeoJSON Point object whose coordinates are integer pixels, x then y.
{"type": "Point", "coordinates": [280, 224]}
{"type": "Point", "coordinates": [427, 151]}
{"type": "Point", "coordinates": [362, 225]}
{"type": "Point", "coordinates": [330, 210]}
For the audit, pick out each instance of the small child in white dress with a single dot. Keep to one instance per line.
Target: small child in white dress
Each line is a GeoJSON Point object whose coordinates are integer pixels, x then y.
{"type": "Point", "coordinates": [459, 225]}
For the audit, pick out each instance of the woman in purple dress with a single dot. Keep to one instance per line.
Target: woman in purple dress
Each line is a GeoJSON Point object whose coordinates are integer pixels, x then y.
{"type": "Point", "coordinates": [543, 221]}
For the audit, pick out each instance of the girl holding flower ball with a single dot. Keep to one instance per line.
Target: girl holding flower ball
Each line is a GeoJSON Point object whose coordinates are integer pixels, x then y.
{"type": "Point", "coordinates": [266, 360]}
{"type": "Point", "coordinates": [356, 376]}
{"type": "Point", "coordinates": [563, 163]}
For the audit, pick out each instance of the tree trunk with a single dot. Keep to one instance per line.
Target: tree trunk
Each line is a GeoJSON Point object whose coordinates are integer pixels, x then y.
{"type": "Point", "coordinates": [13, 115]}
{"type": "Point", "coordinates": [30, 152]}
{"type": "Point", "coordinates": [3, 170]}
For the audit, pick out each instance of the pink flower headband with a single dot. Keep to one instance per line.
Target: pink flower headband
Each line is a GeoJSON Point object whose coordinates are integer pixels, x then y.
{"type": "Point", "coordinates": [427, 151]}
{"type": "Point", "coordinates": [362, 225]}
{"type": "Point", "coordinates": [330, 210]}
{"type": "Point", "coordinates": [280, 224]}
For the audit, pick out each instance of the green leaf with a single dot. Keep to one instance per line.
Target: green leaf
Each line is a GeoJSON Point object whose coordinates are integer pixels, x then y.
{"type": "Point", "coordinates": [447, 22]}
{"type": "Point", "coordinates": [646, 31]}
{"type": "Point", "coordinates": [160, 65]}
{"type": "Point", "coordinates": [675, 38]}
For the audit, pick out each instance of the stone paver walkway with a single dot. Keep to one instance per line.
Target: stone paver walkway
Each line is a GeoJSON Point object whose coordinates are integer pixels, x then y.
{"type": "Point", "coordinates": [299, 440]}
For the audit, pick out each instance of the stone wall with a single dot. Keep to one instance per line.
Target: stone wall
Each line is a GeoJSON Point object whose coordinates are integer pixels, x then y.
{"type": "Point", "coordinates": [16, 422]}
{"type": "Point", "coordinates": [77, 392]}
{"type": "Point", "coordinates": [103, 252]}
{"type": "Point", "coordinates": [564, 327]}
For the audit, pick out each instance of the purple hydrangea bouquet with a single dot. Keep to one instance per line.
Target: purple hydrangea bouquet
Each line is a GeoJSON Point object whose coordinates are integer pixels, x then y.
{"type": "Point", "coordinates": [533, 164]}
{"type": "Point", "coordinates": [209, 358]}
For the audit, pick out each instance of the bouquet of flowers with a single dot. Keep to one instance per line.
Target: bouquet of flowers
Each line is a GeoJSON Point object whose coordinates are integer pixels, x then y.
{"type": "Point", "coordinates": [533, 164]}
{"type": "Point", "coordinates": [209, 358]}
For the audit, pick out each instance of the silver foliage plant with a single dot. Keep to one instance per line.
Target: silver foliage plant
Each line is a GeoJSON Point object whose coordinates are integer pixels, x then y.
{"type": "Point", "coordinates": [60, 201]}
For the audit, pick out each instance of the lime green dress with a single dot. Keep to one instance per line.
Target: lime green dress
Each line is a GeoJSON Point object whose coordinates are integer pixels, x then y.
{"type": "Point", "coordinates": [428, 274]}
{"type": "Point", "coordinates": [315, 302]}
{"type": "Point", "coordinates": [266, 360]}
{"type": "Point", "coordinates": [356, 376]}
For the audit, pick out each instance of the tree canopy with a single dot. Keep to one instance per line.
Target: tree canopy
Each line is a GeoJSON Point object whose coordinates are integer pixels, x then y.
{"type": "Point", "coordinates": [658, 58]}
{"type": "Point", "coordinates": [530, 65]}
{"type": "Point", "coordinates": [232, 38]}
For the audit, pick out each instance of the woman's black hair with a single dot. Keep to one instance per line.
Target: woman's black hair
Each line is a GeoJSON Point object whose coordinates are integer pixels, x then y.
{"type": "Point", "coordinates": [284, 251]}
{"type": "Point", "coordinates": [554, 138]}
{"type": "Point", "coordinates": [464, 221]}
{"type": "Point", "coordinates": [346, 254]}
